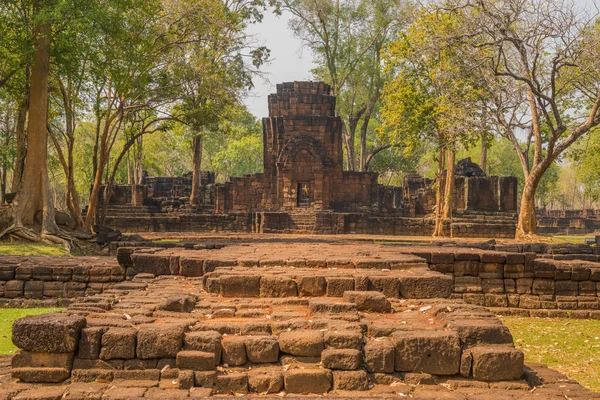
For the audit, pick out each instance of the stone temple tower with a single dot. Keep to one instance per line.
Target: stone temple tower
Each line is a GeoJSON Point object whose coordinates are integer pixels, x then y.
{"type": "Point", "coordinates": [302, 146]}
{"type": "Point", "coordinates": [302, 151]}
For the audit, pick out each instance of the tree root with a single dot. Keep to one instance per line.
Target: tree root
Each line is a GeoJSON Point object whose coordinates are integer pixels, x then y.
{"type": "Point", "coordinates": [20, 232]}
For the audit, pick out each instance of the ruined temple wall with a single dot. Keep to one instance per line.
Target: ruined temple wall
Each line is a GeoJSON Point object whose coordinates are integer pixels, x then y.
{"type": "Point", "coordinates": [492, 193]}
{"type": "Point", "coordinates": [487, 194]}
{"type": "Point", "coordinates": [355, 191]}
{"type": "Point", "coordinates": [242, 194]}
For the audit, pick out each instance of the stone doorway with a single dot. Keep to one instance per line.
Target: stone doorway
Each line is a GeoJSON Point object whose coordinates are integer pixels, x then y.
{"type": "Point", "coordinates": [303, 195]}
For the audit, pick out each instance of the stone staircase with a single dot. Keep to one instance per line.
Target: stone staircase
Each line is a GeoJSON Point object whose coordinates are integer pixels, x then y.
{"type": "Point", "coordinates": [272, 319]}
{"type": "Point", "coordinates": [302, 221]}
{"type": "Point", "coordinates": [480, 223]}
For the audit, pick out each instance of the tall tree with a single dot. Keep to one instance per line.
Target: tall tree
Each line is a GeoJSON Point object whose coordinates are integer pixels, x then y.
{"type": "Point", "coordinates": [545, 55]}
{"type": "Point", "coordinates": [34, 195]}
{"type": "Point", "coordinates": [431, 98]}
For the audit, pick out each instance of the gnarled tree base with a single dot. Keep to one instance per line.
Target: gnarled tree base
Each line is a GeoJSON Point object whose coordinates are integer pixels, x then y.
{"type": "Point", "coordinates": [12, 227]}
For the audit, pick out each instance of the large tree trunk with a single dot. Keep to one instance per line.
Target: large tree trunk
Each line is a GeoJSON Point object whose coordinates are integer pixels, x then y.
{"type": "Point", "coordinates": [439, 194]}
{"type": "Point", "coordinates": [527, 223]}
{"type": "Point", "coordinates": [21, 139]}
{"type": "Point", "coordinates": [34, 194]}
{"type": "Point", "coordinates": [91, 217]}
{"type": "Point", "coordinates": [348, 140]}
{"type": "Point", "coordinates": [449, 191]}
{"type": "Point", "coordinates": [3, 184]}
{"type": "Point", "coordinates": [364, 130]}
{"type": "Point", "coordinates": [73, 198]}
{"type": "Point", "coordinates": [483, 159]}
{"type": "Point", "coordinates": [196, 169]}
{"type": "Point", "coordinates": [138, 173]}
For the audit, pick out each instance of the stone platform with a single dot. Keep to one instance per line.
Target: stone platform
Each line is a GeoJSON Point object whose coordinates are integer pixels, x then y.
{"type": "Point", "coordinates": [289, 318]}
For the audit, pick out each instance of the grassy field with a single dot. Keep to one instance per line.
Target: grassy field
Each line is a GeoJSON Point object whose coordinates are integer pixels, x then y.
{"type": "Point", "coordinates": [7, 317]}
{"type": "Point", "coordinates": [572, 239]}
{"type": "Point", "coordinates": [570, 346]}
{"type": "Point", "coordinates": [31, 249]}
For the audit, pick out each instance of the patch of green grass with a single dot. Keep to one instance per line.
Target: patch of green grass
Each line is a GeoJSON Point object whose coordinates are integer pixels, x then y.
{"type": "Point", "coordinates": [168, 240]}
{"type": "Point", "coordinates": [572, 239]}
{"type": "Point", "coordinates": [7, 317]}
{"type": "Point", "coordinates": [31, 249]}
{"type": "Point", "coordinates": [570, 346]}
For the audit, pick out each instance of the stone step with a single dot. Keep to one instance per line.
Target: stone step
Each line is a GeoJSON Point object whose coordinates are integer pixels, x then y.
{"type": "Point", "coordinates": [414, 283]}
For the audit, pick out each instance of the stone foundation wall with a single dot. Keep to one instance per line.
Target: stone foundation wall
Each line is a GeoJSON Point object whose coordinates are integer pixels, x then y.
{"type": "Point", "coordinates": [523, 283]}
{"type": "Point", "coordinates": [43, 278]}
{"type": "Point", "coordinates": [568, 222]}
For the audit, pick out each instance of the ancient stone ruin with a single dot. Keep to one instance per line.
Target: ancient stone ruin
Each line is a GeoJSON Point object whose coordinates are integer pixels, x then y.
{"type": "Point", "coordinates": [304, 189]}
{"type": "Point", "coordinates": [272, 316]}
{"type": "Point", "coordinates": [568, 222]}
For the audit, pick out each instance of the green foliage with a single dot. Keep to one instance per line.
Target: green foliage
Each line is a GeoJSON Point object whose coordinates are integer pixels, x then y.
{"type": "Point", "coordinates": [235, 148]}
{"type": "Point", "coordinates": [585, 159]}
{"type": "Point", "coordinates": [432, 95]}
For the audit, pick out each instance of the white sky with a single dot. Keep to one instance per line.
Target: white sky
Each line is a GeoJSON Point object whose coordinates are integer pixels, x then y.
{"type": "Point", "coordinates": [291, 62]}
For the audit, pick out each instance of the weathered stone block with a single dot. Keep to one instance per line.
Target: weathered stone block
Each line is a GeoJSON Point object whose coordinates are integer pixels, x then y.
{"type": "Point", "coordinates": [90, 342]}
{"type": "Point", "coordinates": [543, 286]}
{"type": "Point", "coordinates": [265, 380]}
{"type": "Point", "coordinates": [41, 375]}
{"type": "Point", "coordinates": [350, 380]}
{"type": "Point", "coordinates": [475, 331]}
{"type": "Point", "coordinates": [492, 285]}
{"type": "Point", "coordinates": [344, 359]}
{"type": "Point", "coordinates": [196, 360]}
{"type": "Point", "coordinates": [344, 339]}
{"type": "Point", "coordinates": [467, 284]}
{"type": "Point", "coordinates": [336, 286]}
{"type": "Point", "coordinates": [13, 289]}
{"type": "Point", "coordinates": [369, 301]}
{"type": "Point", "coordinates": [524, 285]}
{"type": "Point", "coordinates": [27, 359]}
{"type": "Point", "coordinates": [48, 333]}
{"type": "Point", "coordinates": [262, 349]}
{"type": "Point", "coordinates": [389, 286]}
{"type": "Point", "coordinates": [190, 266]}
{"type": "Point", "coordinates": [235, 382]}
{"type": "Point", "coordinates": [209, 341]}
{"type": "Point", "coordinates": [491, 271]}
{"type": "Point", "coordinates": [307, 343]}
{"type": "Point", "coordinates": [379, 355]}
{"type": "Point", "coordinates": [308, 381]}
{"type": "Point", "coordinates": [159, 341]}
{"type": "Point", "coordinates": [566, 288]}
{"type": "Point", "coordinates": [463, 268]}
{"type": "Point", "coordinates": [118, 343]}
{"type": "Point", "coordinates": [312, 286]}
{"type": "Point", "coordinates": [277, 286]}
{"type": "Point", "coordinates": [427, 286]}
{"type": "Point", "coordinates": [497, 363]}
{"type": "Point", "coordinates": [33, 289]}
{"type": "Point", "coordinates": [240, 285]}
{"type": "Point", "coordinates": [155, 264]}
{"type": "Point", "coordinates": [432, 352]}
{"type": "Point", "coordinates": [234, 350]}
